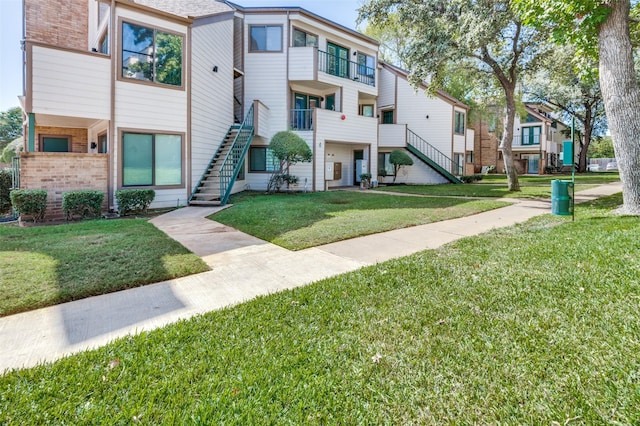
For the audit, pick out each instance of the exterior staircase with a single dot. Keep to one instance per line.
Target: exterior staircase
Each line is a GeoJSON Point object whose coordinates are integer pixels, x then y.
{"type": "Point", "coordinates": [216, 183]}
{"type": "Point", "coordinates": [431, 156]}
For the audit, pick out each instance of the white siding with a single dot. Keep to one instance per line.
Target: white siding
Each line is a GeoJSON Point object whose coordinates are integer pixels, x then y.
{"type": "Point", "coordinates": [353, 129]}
{"type": "Point", "coordinates": [211, 93]}
{"type": "Point", "coordinates": [392, 135]}
{"type": "Point", "coordinates": [386, 89]}
{"type": "Point", "coordinates": [266, 73]}
{"type": "Point", "coordinates": [418, 173]}
{"type": "Point", "coordinates": [153, 108]}
{"type": "Point", "coordinates": [302, 63]}
{"type": "Point", "coordinates": [470, 140]}
{"type": "Point", "coordinates": [262, 119]}
{"type": "Point", "coordinates": [70, 84]}
{"type": "Point", "coordinates": [414, 107]}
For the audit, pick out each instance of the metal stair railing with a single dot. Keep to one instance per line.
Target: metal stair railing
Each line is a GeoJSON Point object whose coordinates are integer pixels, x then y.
{"type": "Point", "coordinates": [231, 163]}
{"type": "Point", "coordinates": [211, 163]}
{"type": "Point", "coordinates": [447, 164]}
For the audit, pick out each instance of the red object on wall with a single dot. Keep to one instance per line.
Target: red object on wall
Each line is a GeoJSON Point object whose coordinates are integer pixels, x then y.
{"type": "Point", "coordinates": [343, 117]}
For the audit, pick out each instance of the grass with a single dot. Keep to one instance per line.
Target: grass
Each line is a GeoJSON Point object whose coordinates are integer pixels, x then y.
{"type": "Point", "coordinates": [47, 265]}
{"type": "Point", "coordinates": [533, 324]}
{"type": "Point", "coordinates": [496, 186]}
{"type": "Point", "coordinates": [297, 221]}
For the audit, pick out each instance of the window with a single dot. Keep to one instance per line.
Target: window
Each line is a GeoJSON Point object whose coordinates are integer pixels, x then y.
{"type": "Point", "coordinates": [102, 143]}
{"type": "Point", "coordinates": [337, 60]}
{"type": "Point", "coordinates": [301, 39]}
{"type": "Point", "coordinates": [366, 65]}
{"type": "Point", "coordinates": [103, 46]}
{"type": "Point", "coordinates": [330, 102]}
{"type": "Point", "coordinates": [261, 159]}
{"type": "Point", "coordinates": [460, 123]}
{"type": "Point", "coordinates": [151, 55]}
{"type": "Point", "coordinates": [385, 168]}
{"type": "Point", "coordinates": [151, 159]}
{"type": "Point", "coordinates": [387, 117]}
{"type": "Point", "coordinates": [469, 156]}
{"type": "Point", "coordinates": [366, 110]}
{"type": "Point", "coordinates": [265, 38]}
{"type": "Point", "coordinates": [103, 11]}
{"type": "Point", "coordinates": [55, 143]}
{"type": "Point", "coordinates": [458, 159]}
{"type": "Point", "coordinates": [531, 135]}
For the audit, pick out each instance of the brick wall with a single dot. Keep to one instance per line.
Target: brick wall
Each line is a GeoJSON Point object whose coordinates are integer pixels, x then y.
{"type": "Point", "coordinates": [485, 146]}
{"type": "Point", "coordinates": [62, 172]}
{"type": "Point", "coordinates": [79, 138]}
{"type": "Point", "coordinates": [59, 22]}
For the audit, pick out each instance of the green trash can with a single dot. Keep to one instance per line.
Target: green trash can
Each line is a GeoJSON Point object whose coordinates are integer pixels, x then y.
{"type": "Point", "coordinates": [561, 197]}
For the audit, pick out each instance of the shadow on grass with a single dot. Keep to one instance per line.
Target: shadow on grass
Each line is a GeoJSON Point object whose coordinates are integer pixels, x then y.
{"type": "Point", "coordinates": [298, 221]}
{"type": "Point", "coordinates": [48, 265]}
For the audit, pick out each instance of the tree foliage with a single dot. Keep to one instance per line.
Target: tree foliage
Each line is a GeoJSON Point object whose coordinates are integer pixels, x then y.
{"type": "Point", "coordinates": [399, 159]}
{"type": "Point", "coordinates": [10, 126]}
{"type": "Point", "coordinates": [559, 85]}
{"type": "Point", "coordinates": [601, 148]}
{"type": "Point", "coordinates": [485, 36]}
{"type": "Point", "coordinates": [289, 149]}
{"type": "Point", "coordinates": [601, 30]}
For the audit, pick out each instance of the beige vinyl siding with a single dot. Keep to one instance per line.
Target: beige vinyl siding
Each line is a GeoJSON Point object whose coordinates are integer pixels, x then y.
{"type": "Point", "coordinates": [386, 89]}
{"type": "Point", "coordinates": [413, 108]}
{"type": "Point", "coordinates": [302, 63]}
{"type": "Point", "coordinates": [152, 108]}
{"type": "Point", "coordinates": [212, 92]}
{"type": "Point", "coordinates": [419, 173]}
{"type": "Point", "coordinates": [266, 74]}
{"type": "Point", "coordinates": [353, 129]}
{"type": "Point", "coordinates": [392, 136]}
{"type": "Point", "coordinates": [70, 84]}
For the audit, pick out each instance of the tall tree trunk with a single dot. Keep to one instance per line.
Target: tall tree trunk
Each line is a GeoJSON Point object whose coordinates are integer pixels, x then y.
{"type": "Point", "coordinates": [588, 129]}
{"type": "Point", "coordinates": [507, 139]}
{"type": "Point", "coordinates": [621, 100]}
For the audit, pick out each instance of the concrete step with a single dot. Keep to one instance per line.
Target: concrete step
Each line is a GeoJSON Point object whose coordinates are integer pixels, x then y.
{"type": "Point", "coordinates": [203, 203]}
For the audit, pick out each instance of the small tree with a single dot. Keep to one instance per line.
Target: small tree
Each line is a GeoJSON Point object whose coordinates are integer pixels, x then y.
{"type": "Point", "coordinates": [399, 159]}
{"type": "Point", "coordinates": [289, 149]}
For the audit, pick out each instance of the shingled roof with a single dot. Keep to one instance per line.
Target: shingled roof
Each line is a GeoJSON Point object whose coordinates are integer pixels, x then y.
{"type": "Point", "coordinates": [187, 8]}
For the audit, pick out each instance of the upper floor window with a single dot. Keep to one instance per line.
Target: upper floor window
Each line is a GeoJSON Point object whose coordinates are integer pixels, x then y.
{"type": "Point", "coordinates": [301, 39]}
{"type": "Point", "coordinates": [366, 64]}
{"type": "Point", "coordinates": [459, 123]}
{"type": "Point", "coordinates": [366, 110]}
{"type": "Point", "coordinates": [387, 117]}
{"type": "Point", "coordinates": [103, 11]}
{"type": "Point", "coordinates": [265, 38]}
{"type": "Point", "coordinates": [149, 54]}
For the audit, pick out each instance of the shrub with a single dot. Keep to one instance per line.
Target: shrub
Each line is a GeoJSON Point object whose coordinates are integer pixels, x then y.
{"type": "Point", "coordinates": [399, 159]}
{"type": "Point", "coordinates": [278, 179]}
{"type": "Point", "coordinates": [5, 188]}
{"type": "Point", "coordinates": [30, 202]}
{"type": "Point", "coordinates": [84, 203]}
{"type": "Point", "coordinates": [471, 178]}
{"type": "Point", "coordinates": [134, 200]}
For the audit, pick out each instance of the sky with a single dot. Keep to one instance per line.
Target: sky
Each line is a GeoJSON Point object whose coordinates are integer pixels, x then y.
{"type": "Point", "coordinates": [343, 12]}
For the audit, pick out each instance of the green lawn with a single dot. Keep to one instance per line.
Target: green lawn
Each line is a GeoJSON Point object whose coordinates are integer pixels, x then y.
{"type": "Point", "coordinates": [297, 221]}
{"type": "Point", "coordinates": [47, 265]}
{"type": "Point", "coordinates": [533, 324]}
{"type": "Point", "coordinates": [496, 186]}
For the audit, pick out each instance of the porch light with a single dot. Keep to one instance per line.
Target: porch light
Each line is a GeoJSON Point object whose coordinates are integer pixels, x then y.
{"type": "Point", "coordinates": [215, 68]}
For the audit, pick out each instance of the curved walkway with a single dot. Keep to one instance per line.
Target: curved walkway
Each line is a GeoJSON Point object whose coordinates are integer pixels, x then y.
{"type": "Point", "coordinates": [242, 267]}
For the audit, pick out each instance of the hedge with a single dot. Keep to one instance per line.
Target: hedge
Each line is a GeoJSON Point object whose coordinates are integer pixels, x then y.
{"type": "Point", "coordinates": [30, 202]}
{"type": "Point", "coordinates": [134, 200]}
{"type": "Point", "coordinates": [5, 188]}
{"type": "Point", "coordinates": [83, 203]}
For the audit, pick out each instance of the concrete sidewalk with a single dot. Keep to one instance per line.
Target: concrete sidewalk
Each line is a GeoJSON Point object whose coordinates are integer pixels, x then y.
{"type": "Point", "coordinates": [242, 267]}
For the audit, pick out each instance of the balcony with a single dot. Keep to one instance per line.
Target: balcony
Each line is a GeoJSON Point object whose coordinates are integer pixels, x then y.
{"type": "Point", "coordinates": [344, 68]}
{"type": "Point", "coordinates": [334, 125]}
{"type": "Point", "coordinates": [532, 141]}
{"type": "Point", "coordinates": [305, 62]}
{"type": "Point", "coordinates": [68, 82]}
